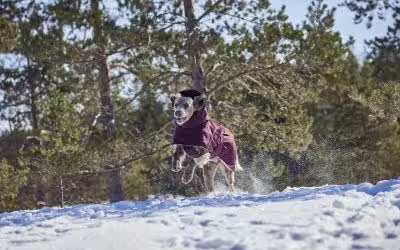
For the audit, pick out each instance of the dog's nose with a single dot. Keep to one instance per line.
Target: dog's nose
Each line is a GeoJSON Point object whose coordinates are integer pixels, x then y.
{"type": "Point", "coordinates": [178, 113]}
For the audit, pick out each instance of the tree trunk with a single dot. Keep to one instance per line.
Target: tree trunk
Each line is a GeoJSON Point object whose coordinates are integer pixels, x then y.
{"type": "Point", "coordinates": [40, 194]}
{"type": "Point", "coordinates": [106, 100]}
{"type": "Point", "coordinates": [32, 101]}
{"type": "Point", "coordinates": [115, 185]}
{"type": "Point", "coordinates": [193, 47]}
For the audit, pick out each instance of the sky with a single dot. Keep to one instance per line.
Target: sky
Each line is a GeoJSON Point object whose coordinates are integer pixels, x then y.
{"type": "Point", "coordinates": [297, 9]}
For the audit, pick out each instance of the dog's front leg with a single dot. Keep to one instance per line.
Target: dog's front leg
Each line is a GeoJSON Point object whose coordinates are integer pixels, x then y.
{"type": "Point", "coordinates": [200, 161]}
{"type": "Point", "coordinates": [178, 158]}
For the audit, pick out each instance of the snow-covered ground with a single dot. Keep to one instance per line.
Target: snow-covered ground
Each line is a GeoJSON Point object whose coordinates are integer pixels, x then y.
{"type": "Point", "coordinates": [361, 216]}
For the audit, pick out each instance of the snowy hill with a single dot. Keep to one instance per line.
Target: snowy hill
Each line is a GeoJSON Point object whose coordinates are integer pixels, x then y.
{"type": "Point", "coordinates": [361, 216]}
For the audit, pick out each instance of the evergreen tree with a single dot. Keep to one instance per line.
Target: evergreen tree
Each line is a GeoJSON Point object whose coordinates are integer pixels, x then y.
{"type": "Point", "coordinates": [384, 52]}
{"type": "Point", "coordinates": [11, 180]}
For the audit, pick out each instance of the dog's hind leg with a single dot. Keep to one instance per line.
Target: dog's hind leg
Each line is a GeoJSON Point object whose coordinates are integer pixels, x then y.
{"type": "Point", "coordinates": [229, 177]}
{"type": "Point", "coordinates": [188, 171]}
{"type": "Point", "coordinates": [209, 171]}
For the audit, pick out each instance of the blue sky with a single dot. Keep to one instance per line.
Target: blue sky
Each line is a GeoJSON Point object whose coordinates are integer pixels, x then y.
{"type": "Point", "coordinates": [297, 9]}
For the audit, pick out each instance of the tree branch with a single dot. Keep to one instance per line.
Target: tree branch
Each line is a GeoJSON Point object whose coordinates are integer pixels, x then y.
{"type": "Point", "coordinates": [240, 74]}
{"type": "Point", "coordinates": [207, 12]}
{"type": "Point", "coordinates": [123, 164]}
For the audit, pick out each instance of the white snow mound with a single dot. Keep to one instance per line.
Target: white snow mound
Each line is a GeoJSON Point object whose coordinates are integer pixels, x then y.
{"type": "Point", "coordinates": [361, 216]}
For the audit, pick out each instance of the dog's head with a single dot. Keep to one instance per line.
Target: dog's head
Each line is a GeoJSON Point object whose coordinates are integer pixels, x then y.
{"type": "Point", "coordinates": [186, 103]}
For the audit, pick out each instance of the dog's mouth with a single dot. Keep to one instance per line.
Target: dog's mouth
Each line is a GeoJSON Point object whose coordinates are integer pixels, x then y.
{"type": "Point", "coordinates": [180, 120]}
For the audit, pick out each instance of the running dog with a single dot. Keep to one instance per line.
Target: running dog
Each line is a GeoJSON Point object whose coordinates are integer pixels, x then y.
{"type": "Point", "coordinates": [201, 142]}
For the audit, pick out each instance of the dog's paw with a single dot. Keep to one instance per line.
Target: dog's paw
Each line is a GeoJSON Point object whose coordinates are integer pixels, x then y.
{"type": "Point", "coordinates": [177, 166]}
{"type": "Point", "coordinates": [231, 188]}
{"type": "Point", "coordinates": [186, 178]}
{"type": "Point", "coordinates": [188, 173]}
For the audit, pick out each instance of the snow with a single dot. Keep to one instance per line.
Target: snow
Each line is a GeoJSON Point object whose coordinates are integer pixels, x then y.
{"type": "Point", "coordinates": [363, 216]}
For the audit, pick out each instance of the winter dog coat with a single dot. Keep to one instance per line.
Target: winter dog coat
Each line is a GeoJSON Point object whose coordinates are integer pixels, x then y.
{"type": "Point", "coordinates": [201, 130]}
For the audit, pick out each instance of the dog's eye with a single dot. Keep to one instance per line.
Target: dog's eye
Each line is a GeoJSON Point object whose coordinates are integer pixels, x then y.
{"type": "Point", "coordinates": [186, 105]}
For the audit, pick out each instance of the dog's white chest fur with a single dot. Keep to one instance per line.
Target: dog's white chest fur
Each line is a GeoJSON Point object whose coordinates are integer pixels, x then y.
{"type": "Point", "coordinates": [202, 160]}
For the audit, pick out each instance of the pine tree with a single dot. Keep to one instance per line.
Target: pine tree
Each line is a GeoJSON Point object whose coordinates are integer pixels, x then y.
{"type": "Point", "coordinates": [384, 55]}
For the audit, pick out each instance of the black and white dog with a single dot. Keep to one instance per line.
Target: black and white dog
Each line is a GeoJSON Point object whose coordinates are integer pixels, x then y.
{"type": "Point", "coordinates": [201, 142]}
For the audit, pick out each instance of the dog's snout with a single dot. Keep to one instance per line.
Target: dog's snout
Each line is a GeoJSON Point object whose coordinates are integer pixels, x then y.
{"type": "Point", "coordinates": [178, 113]}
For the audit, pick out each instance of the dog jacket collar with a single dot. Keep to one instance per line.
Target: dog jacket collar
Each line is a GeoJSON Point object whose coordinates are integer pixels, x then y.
{"type": "Point", "coordinates": [201, 130]}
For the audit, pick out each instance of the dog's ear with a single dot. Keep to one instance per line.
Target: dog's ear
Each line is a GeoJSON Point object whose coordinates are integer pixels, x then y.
{"type": "Point", "coordinates": [199, 101]}
{"type": "Point", "coordinates": [173, 98]}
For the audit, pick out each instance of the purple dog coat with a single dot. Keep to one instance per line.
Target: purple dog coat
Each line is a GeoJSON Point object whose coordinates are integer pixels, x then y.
{"type": "Point", "coordinates": [201, 130]}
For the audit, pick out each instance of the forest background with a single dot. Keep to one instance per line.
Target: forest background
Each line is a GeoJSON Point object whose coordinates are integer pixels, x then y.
{"type": "Point", "coordinates": [85, 85]}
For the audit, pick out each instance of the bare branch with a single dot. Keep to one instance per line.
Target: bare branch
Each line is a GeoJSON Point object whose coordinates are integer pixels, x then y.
{"type": "Point", "coordinates": [4, 106]}
{"type": "Point", "coordinates": [126, 67]}
{"type": "Point", "coordinates": [242, 18]}
{"type": "Point", "coordinates": [261, 86]}
{"type": "Point", "coordinates": [123, 164]}
{"type": "Point", "coordinates": [235, 76]}
{"type": "Point", "coordinates": [207, 12]}
{"type": "Point", "coordinates": [139, 93]}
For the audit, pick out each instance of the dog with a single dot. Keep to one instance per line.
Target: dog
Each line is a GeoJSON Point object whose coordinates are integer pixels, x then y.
{"type": "Point", "coordinates": [199, 141]}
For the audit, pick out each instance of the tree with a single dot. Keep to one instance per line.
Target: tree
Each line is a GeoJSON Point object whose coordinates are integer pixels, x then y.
{"type": "Point", "coordinates": [8, 33]}
{"type": "Point", "coordinates": [90, 62]}
{"type": "Point", "coordinates": [11, 180]}
{"type": "Point", "coordinates": [63, 139]}
{"type": "Point", "coordinates": [381, 90]}
{"type": "Point", "coordinates": [384, 55]}
{"type": "Point", "coordinates": [24, 77]}
{"type": "Point", "coordinates": [371, 9]}
{"type": "Point", "coordinates": [107, 105]}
